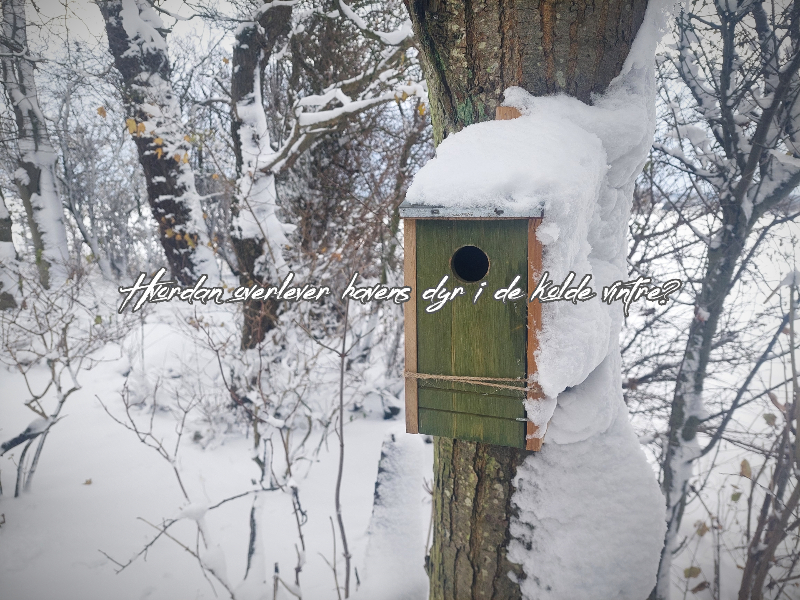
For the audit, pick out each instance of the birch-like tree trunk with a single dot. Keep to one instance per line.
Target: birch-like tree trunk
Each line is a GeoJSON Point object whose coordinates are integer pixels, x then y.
{"type": "Point", "coordinates": [137, 41]}
{"type": "Point", "coordinates": [471, 53]}
{"type": "Point", "coordinates": [36, 159]}
{"type": "Point", "coordinates": [257, 234]}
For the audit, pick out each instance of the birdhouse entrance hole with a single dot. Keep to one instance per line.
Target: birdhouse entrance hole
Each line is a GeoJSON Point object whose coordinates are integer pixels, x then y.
{"type": "Point", "coordinates": [470, 264]}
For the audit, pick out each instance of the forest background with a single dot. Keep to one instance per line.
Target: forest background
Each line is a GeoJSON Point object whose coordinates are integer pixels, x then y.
{"type": "Point", "coordinates": [242, 450]}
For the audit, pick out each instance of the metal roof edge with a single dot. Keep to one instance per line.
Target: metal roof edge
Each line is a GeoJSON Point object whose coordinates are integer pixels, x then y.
{"type": "Point", "coordinates": [428, 211]}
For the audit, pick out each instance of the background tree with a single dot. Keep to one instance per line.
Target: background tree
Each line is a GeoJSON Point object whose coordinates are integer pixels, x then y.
{"type": "Point", "coordinates": [35, 175]}
{"type": "Point", "coordinates": [725, 169]}
{"type": "Point", "coordinates": [137, 41]}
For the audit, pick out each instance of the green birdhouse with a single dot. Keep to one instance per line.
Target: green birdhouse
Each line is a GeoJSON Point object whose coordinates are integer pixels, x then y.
{"type": "Point", "coordinates": [469, 355]}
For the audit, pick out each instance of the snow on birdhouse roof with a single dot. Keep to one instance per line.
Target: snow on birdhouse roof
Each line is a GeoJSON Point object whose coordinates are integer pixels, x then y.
{"type": "Point", "coordinates": [508, 169]}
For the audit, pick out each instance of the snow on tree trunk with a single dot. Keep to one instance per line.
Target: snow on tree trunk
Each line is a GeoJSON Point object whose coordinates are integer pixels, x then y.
{"type": "Point", "coordinates": [258, 236]}
{"type": "Point", "coordinates": [36, 175]}
{"type": "Point", "coordinates": [583, 518]}
{"type": "Point", "coordinates": [136, 39]}
{"type": "Point", "coordinates": [9, 269]}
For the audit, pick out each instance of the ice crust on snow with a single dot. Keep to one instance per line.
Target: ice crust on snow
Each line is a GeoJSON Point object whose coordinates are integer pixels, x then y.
{"type": "Point", "coordinates": [590, 518]}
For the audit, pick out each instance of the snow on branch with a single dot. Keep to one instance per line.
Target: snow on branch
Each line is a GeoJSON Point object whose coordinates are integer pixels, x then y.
{"type": "Point", "coordinates": [142, 24]}
{"type": "Point", "coordinates": [310, 124]}
{"type": "Point", "coordinates": [394, 38]}
{"type": "Point", "coordinates": [35, 429]}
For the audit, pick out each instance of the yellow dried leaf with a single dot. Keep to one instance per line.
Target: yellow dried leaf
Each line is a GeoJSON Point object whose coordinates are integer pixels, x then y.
{"type": "Point", "coordinates": [140, 129]}
{"type": "Point", "coordinates": [102, 111]}
{"type": "Point", "coordinates": [131, 125]}
{"type": "Point", "coordinates": [186, 138]}
{"type": "Point", "coordinates": [215, 176]}
{"type": "Point", "coordinates": [159, 152]}
{"type": "Point", "coordinates": [421, 109]}
{"type": "Point", "coordinates": [190, 241]}
{"type": "Point", "coordinates": [702, 528]}
{"type": "Point", "coordinates": [700, 587]}
{"type": "Point", "coordinates": [746, 471]}
{"type": "Point", "coordinates": [158, 141]}
{"type": "Point", "coordinates": [205, 215]}
{"type": "Point", "coordinates": [774, 399]}
{"type": "Point", "coordinates": [186, 158]}
{"type": "Point", "coordinates": [178, 237]}
{"type": "Point", "coordinates": [177, 158]}
{"type": "Point", "coordinates": [225, 60]}
{"type": "Point", "coordinates": [690, 572]}
{"type": "Point", "coordinates": [169, 233]}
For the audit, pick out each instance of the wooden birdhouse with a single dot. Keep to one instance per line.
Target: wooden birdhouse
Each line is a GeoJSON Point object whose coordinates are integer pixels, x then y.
{"type": "Point", "coordinates": [468, 362]}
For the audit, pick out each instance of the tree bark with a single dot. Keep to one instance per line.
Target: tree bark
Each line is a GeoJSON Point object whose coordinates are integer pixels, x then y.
{"type": "Point", "coordinates": [471, 52]}
{"type": "Point", "coordinates": [140, 55]}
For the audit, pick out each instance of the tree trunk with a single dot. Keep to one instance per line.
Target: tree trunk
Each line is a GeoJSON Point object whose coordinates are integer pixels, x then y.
{"type": "Point", "coordinates": [256, 231]}
{"type": "Point", "coordinates": [137, 42]}
{"type": "Point", "coordinates": [36, 160]}
{"type": "Point", "coordinates": [472, 52]}
{"type": "Point", "coordinates": [9, 272]}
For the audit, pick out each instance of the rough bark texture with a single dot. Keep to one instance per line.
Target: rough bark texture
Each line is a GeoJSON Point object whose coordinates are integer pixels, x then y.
{"type": "Point", "coordinates": [471, 501]}
{"type": "Point", "coordinates": [472, 51]}
{"type": "Point", "coordinates": [145, 71]}
{"type": "Point", "coordinates": [254, 45]}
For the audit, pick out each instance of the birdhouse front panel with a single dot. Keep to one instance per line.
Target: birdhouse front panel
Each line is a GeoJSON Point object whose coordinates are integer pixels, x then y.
{"type": "Point", "coordinates": [468, 337]}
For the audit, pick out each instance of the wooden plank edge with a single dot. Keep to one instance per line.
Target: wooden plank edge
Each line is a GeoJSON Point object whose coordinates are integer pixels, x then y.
{"type": "Point", "coordinates": [534, 327]}
{"type": "Point", "coordinates": [410, 321]}
{"type": "Point", "coordinates": [506, 113]}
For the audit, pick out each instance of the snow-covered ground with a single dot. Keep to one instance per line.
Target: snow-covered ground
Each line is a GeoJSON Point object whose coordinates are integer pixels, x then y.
{"type": "Point", "coordinates": [97, 487]}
